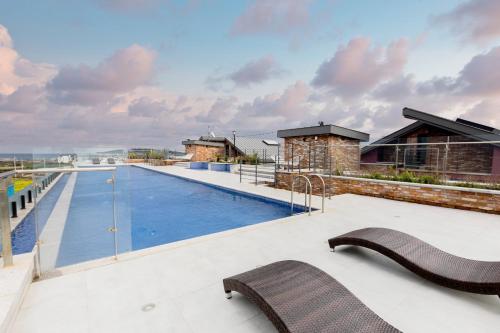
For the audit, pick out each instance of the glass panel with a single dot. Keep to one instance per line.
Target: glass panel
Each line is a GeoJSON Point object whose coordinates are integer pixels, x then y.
{"type": "Point", "coordinates": [82, 209]}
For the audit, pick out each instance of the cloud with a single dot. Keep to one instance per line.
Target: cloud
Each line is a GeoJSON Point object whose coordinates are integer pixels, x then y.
{"type": "Point", "coordinates": [486, 112]}
{"type": "Point", "coordinates": [275, 17]}
{"type": "Point", "coordinates": [395, 89]}
{"type": "Point", "coordinates": [480, 76]}
{"type": "Point", "coordinates": [5, 39]}
{"type": "Point", "coordinates": [474, 20]}
{"type": "Point", "coordinates": [275, 109]}
{"type": "Point", "coordinates": [358, 67]}
{"type": "Point", "coordinates": [124, 71]}
{"type": "Point", "coordinates": [115, 103]}
{"type": "Point", "coordinates": [256, 71]}
{"type": "Point", "coordinates": [221, 111]}
{"type": "Point", "coordinates": [146, 107]}
{"type": "Point", "coordinates": [253, 72]}
{"type": "Point", "coordinates": [16, 71]}
{"type": "Point", "coordinates": [25, 99]}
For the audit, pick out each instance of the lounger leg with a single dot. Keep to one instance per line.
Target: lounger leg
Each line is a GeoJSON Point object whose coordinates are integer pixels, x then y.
{"type": "Point", "coordinates": [229, 295]}
{"type": "Point", "coordinates": [332, 249]}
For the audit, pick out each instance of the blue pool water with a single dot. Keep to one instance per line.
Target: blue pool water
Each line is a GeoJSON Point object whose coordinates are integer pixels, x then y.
{"type": "Point", "coordinates": [152, 209]}
{"type": "Point", "coordinates": [24, 235]}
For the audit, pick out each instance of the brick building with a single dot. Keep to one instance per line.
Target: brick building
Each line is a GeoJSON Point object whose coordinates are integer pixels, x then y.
{"type": "Point", "coordinates": [422, 146]}
{"type": "Point", "coordinates": [204, 150]}
{"type": "Point", "coordinates": [211, 148]}
{"type": "Point", "coordinates": [323, 147]}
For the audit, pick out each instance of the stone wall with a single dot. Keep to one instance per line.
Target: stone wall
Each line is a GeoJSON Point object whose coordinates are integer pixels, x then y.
{"type": "Point", "coordinates": [204, 153]}
{"type": "Point", "coordinates": [323, 152]}
{"type": "Point", "coordinates": [461, 159]}
{"type": "Point", "coordinates": [496, 161]}
{"type": "Point", "coordinates": [486, 201]}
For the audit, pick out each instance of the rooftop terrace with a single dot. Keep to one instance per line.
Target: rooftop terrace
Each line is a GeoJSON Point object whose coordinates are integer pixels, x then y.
{"type": "Point", "coordinates": [178, 287]}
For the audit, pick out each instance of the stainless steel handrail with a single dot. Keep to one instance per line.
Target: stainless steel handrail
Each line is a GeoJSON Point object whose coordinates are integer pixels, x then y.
{"type": "Point", "coordinates": [308, 182]}
{"type": "Point", "coordinates": [324, 191]}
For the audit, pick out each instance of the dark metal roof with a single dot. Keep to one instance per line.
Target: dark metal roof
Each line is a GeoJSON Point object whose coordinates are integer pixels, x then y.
{"type": "Point", "coordinates": [392, 136]}
{"type": "Point", "coordinates": [202, 143]}
{"type": "Point", "coordinates": [452, 126]}
{"type": "Point", "coordinates": [322, 130]}
{"type": "Point", "coordinates": [481, 126]}
{"type": "Point", "coordinates": [256, 145]}
{"type": "Point", "coordinates": [213, 138]}
{"type": "Point", "coordinates": [459, 127]}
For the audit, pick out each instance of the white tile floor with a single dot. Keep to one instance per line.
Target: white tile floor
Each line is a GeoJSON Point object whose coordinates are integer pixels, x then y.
{"type": "Point", "coordinates": [184, 280]}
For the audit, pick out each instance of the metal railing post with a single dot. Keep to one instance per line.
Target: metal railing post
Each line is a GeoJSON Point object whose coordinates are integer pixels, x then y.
{"type": "Point", "coordinates": [325, 157]}
{"type": "Point", "coordinates": [397, 159]}
{"type": "Point", "coordinates": [115, 228]}
{"type": "Point", "coordinates": [278, 159]}
{"type": "Point", "coordinates": [240, 169]}
{"type": "Point", "coordinates": [445, 159]}
{"type": "Point", "coordinates": [5, 222]}
{"type": "Point", "coordinates": [275, 171]}
{"type": "Point", "coordinates": [309, 156]}
{"type": "Point", "coordinates": [256, 162]}
{"type": "Point", "coordinates": [314, 157]}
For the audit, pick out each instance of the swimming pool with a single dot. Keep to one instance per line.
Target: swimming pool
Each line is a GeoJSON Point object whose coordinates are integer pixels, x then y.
{"type": "Point", "coordinates": [24, 235]}
{"type": "Point", "coordinates": [152, 209]}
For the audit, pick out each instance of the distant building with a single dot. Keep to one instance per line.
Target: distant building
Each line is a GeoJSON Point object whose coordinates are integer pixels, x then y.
{"type": "Point", "coordinates": [427, 129]}
{"type": "Point", "coordinates": [323, 146]}
{"type": "Point", "coordinates": [212, 148]}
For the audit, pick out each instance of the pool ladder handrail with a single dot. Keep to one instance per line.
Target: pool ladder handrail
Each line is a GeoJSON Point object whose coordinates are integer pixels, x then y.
{"type": "Point", "coordinates": [308, 182]}
{"type": "Point", "coordinates": [324, 190]}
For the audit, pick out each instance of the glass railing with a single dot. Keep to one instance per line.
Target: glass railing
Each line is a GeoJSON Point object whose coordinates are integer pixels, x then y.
{"type": "Point", "coordinates": [73, 206]}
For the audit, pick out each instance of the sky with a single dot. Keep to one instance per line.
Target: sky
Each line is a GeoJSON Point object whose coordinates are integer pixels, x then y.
{"type": "Point", "coordinates": [150, 73]}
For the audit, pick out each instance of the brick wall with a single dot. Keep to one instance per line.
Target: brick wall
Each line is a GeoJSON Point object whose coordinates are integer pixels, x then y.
{"type": "Point", "coordinates": [445, 196]}
{"type": "Point", "coordinates": [322, 151]}
{"type": "Point", "coordinates": [495, 163]}
{"type": "Point", "coordinates": [467, 158]}
{"type": "Point", "coordinates": [204, 153]}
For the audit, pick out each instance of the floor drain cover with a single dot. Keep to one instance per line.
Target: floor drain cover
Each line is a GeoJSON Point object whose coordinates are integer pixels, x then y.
{"type": "Point", "coordinates": [148, 307]}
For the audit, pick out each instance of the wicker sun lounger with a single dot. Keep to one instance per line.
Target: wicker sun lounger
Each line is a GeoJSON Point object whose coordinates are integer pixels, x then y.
{"type": "Point", "coordinates": [298, 297]}
{"type": "Point", "coordinates": [433, 264]}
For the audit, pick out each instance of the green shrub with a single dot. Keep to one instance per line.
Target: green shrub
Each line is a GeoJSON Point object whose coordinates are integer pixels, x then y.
{"type": "Point", "coordinates": [495, 187]}
{"type": "Point", "coordinates": [156, 155]}
{"type": "Point", "coordinates": [428, 179]}
{"type": "Point", "coordinates": [376, 175]}
{"type": "Point", "coordinates": [252, 159]}
{"type": "Point", "coordinates": [405, 176]}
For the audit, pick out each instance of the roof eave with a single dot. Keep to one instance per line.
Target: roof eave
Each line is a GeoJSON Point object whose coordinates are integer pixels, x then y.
{"type": "Point", "coordinates": [449, 125]}
{"type": "Point", "coordinates": [324, 130]}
